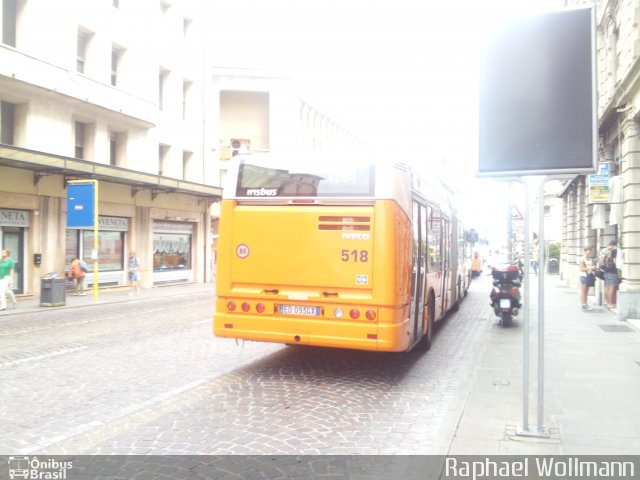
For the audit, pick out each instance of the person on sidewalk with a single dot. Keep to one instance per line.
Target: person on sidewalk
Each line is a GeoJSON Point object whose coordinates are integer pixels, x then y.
{"type": "Point", "coordinates": [7, 268]}
{"type": "Point", "coordinates": [76, 274]}
{"type": "Point", "coordinates": [134, 273]}
{"type": "Point", "coordinates": [587, 279]}
{"type": "Point", "coordinates": [610, 275]}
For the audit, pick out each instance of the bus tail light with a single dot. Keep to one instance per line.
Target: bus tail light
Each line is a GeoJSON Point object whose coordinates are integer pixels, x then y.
{"type": "Point", "coordinates": [231, 306]}
{"type": "Point", "coordinates": [260, 308]}
{"type": "Point", "coordinates": [338, 312]}
{"type": "Point", "coordinates": [246, 307]}
{"type": "Point", "coordinates": [354, 313]}
{"type": "Point", "coordinates": [371, 315]}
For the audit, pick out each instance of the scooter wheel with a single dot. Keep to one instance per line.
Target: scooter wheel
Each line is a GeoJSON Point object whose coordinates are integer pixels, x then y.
{"type": "Point", "coordinates": [506, 319]}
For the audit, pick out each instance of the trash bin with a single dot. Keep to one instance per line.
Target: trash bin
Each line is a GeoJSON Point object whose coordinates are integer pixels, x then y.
{"type": "Point", "coordinates": [53, 290]}
{"type": "Point", "coordinates": [552, 266]}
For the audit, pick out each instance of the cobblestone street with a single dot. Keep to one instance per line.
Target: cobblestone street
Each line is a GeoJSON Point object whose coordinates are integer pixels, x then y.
{"type": "Point", "coordinates": [137, 378]}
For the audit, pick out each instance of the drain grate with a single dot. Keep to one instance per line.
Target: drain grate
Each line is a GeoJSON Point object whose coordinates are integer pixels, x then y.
{"type": "Point", "coordinates": [616, 328]}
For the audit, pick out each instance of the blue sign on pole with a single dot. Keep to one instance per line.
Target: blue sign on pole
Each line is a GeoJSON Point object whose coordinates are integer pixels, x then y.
{"type": "Point", "coordinates": [80, 205]}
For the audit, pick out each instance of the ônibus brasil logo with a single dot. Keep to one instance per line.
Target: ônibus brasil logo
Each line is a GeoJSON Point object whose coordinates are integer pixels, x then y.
{"type": "Point", "coordinates": [33, 468]}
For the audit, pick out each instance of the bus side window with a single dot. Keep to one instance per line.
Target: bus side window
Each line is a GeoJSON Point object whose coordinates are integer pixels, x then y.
{"type": "Point", "coordinates": [433, 238]}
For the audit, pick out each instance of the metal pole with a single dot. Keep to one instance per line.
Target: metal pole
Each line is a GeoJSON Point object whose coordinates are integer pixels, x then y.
{"type": "Point", "coordinates": [524, 429]}
{"type": "Point", "coordinates": [541, 262]}
{"type": "Point", "coordinates": [540, 430]}
{"type": "Point", "coordinates": [509, 226]}
{"type": "Point", "coordinates": [525, 340]}
{"type": "Point", "coordinates": [96, 244]}
{"type": "Point", "coordinates": [599, 246]}
{"type": "Point", "coordinates": [526, 326]}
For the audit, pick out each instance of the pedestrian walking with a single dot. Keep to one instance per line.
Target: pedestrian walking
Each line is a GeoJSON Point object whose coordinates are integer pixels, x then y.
{"type": "Point", "coordinates": [610, 275]}
{"type": "Point", "coordinates": [134, 273]}
{"type": "Point", "coordinates": [7, 269]}
{"type": "Point", "coordinates": [587, 278]}
{"type": "Point", "coordinates": [76, 274]}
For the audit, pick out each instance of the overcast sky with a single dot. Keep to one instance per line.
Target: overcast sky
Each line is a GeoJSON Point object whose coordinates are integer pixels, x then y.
{"type": "Point", "coordinates": [401, 74]}
{"type": "Point", "coordinates": [371, 62]}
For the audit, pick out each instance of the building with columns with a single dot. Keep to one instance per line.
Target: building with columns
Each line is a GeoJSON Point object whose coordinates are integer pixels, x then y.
{"type": "Point", "coordinates": [606, 206]}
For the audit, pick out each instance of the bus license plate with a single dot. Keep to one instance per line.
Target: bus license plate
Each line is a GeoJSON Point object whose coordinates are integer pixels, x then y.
{"type": "Point", "coordinates": [505, 303]}
{"type": "Point", "coordinates": [300, 310]}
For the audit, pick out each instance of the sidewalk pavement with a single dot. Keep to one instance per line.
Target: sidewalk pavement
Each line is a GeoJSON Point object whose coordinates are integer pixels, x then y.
{"type": "Point", "coordinates": [31, 304]}
{"type": "Point", "coordinates": [591, 376]}
{"type": "Point", "coordinates": [591, 394]}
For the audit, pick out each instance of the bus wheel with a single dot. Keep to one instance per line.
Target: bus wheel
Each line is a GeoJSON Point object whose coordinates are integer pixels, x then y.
{"type": "Point", "coordinates": [456, 306]}
{"type": "Point", "coordinates": [425, 341]}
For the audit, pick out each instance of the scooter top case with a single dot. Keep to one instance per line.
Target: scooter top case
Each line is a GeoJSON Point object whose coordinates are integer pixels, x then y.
{"type": "Point", "coordinates": [505, 272]}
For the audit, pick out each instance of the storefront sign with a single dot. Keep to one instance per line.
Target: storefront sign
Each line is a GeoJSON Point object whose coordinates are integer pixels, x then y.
{"type": "Point", "coordinates": [115, 224]}
{"type": "Point", "coordinates": [172, 227]}
{"type": "Point", "coordinates": [599, 185]}
{"type": "Point", "coordinates": [14, 218]}
{"type": "Point", "coordinates": [112, 224]}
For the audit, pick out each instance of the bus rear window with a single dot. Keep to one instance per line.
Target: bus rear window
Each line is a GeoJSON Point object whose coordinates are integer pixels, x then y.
{"type": "Point", "coordinates": [329, 180]}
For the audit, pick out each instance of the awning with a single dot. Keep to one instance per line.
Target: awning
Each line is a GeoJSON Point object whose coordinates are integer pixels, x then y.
{"type": "Point", "coordinates": [44, 164]}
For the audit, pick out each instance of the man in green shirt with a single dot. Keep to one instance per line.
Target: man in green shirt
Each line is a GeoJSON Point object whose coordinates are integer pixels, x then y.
{"type": "Point", "coordinates": [7, 267]}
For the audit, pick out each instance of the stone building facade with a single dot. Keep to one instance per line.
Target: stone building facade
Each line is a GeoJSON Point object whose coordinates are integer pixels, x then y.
{"type": "Point", "coordinates": [594, 222]}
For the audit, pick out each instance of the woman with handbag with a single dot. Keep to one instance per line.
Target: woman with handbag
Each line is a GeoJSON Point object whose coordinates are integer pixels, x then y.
{"type": "Point", "coordinates": [587, 278]}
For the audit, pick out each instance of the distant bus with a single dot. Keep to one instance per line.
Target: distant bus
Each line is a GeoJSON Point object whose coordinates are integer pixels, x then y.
{"type": "Point", "coordinates": [477, 263]}
{"type": "Point", "coordinates": [335, 253]}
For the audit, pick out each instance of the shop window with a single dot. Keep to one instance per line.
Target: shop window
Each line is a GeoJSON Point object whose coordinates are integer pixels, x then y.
{"type": "Point", "coordinates": [110, 249]}
{"type": "Point", "coordinates": [79, 243]}
{"type": "Point", "coordinates": [72, 249]}
{"type": "Point", "coordinates": [171, 251]}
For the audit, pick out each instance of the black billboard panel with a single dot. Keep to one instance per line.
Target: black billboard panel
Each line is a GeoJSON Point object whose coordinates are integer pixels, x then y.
{"type": "Point", "coordinates": [537, 96]}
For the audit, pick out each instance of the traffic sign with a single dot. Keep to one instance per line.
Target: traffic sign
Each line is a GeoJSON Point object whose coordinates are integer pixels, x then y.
{"type": "Point", "coordinates": [515, 213]}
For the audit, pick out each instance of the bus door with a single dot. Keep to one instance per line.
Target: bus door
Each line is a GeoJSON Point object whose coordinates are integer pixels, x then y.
{"type": "Point", "coordinates": [446, 263]}
{"type": "Point", "coordinates": [418, 269]}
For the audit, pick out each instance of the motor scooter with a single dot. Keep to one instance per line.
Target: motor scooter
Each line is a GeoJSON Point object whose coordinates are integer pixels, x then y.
{"type": "Point", "coordinates": [505, 294]}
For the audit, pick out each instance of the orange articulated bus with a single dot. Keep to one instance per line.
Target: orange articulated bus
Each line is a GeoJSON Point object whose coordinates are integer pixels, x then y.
{"type": "Point", "coordinates": [345, 254]}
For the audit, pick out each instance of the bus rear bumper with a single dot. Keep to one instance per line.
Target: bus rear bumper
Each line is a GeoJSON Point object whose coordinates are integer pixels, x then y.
{"type": "Point", "coordinates": [322, 332]}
